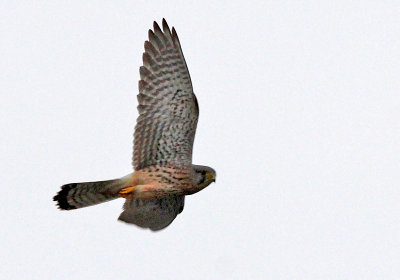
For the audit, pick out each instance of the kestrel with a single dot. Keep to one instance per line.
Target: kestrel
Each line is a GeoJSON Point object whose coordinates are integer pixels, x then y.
{"type": "Point", "coordinates": [163, 142]}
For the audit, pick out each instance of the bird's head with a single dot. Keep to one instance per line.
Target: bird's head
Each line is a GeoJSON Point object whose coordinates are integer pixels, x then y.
{"type": "Point", "coordinates": [203, 176]}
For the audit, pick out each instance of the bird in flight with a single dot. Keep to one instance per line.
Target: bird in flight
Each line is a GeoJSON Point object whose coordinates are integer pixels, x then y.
{"type": "Point", "coordinates": [163, 142]}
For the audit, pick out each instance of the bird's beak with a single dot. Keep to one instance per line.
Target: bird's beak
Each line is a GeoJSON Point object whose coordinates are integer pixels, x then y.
{"type": "Point", "coordinates": [211, 176]}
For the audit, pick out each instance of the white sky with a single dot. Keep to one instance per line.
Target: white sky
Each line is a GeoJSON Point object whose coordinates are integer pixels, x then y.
{"type": "Point", "coordinates": [299, 115]}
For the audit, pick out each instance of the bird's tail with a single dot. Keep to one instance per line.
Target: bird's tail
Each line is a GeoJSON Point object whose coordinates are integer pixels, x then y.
{"type": "Point", "coordinates": [78, 195]}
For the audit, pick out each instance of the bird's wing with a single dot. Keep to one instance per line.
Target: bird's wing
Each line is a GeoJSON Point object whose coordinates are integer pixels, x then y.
{"type": "Point", "coordinates": [168, 109]}
{"type": "Point", "coordinates": [155, 214]}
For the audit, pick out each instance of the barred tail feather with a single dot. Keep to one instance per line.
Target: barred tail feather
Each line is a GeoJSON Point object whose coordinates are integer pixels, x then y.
{"type": "Point", "coordinates": [78, 195]}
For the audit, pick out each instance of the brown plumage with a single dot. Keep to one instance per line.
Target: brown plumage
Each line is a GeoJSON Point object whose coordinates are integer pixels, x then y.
{"type": "Point", "coordinates": [163, 143]}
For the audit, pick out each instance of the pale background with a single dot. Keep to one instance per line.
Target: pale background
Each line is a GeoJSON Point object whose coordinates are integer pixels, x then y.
{"type": "Point", "coordinates": [299, 115]}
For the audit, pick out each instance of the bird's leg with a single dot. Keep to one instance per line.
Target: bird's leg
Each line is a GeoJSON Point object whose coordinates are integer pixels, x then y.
{"type": "Point", "coordinates": [140, 190]}
{"type": "Point", "coordinates": [126, 192]}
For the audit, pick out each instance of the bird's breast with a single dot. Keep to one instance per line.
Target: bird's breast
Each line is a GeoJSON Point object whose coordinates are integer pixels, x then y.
{"type": "Point", "coordinates": [162, 181]}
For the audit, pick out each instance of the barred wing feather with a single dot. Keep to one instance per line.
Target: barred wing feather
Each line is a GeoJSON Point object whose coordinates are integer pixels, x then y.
{"type": "Point", "coordinates": [168, 109]}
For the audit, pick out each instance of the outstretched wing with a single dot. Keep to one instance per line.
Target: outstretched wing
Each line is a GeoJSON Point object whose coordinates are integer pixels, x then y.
{"type": "Point", "coordinates": [168, 109]}
{"type": "Point", "coordinates": [155, 214]}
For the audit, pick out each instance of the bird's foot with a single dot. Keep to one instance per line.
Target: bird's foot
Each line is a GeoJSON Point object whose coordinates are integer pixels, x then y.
{"type": "Point", "coordinates": [126, 192]}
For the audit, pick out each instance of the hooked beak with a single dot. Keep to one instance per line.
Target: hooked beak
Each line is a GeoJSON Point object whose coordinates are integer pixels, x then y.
{"type": "Point", "coordinates": [211, 177]}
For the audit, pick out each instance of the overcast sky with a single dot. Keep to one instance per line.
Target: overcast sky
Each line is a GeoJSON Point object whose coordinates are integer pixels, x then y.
{"type": "Point", "coordinates": [299, 115]}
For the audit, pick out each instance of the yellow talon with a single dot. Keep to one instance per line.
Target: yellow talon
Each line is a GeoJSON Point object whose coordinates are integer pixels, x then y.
{"type": "Point", "coordinates": [125, 192]}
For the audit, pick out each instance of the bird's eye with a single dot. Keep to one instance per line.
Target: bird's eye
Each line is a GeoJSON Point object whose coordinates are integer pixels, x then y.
{"type": "Point", "coordinates": [203, 173]}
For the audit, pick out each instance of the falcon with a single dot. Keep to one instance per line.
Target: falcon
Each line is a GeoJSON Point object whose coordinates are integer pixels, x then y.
{"type": "Point", "coordinates": [163, 142]}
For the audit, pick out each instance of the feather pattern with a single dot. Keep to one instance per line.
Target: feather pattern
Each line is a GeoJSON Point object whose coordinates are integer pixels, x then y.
{"type": "Point", "coordinates": [168, 110]}
{"type": "Point", "coordinates": [78, 195]}
{"type": "Point", "coordinates": [155, 214]}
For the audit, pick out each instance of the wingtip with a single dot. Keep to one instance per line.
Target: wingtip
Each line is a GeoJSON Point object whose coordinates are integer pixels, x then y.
{"type": "Point", "coordinates": [151, 34]}
{"type": "Point", "coordinates": [165, 24]}
{"type": "Point", "coordinates": [156, 27]}
{"type": "Point", "coordinates": [174, 33]}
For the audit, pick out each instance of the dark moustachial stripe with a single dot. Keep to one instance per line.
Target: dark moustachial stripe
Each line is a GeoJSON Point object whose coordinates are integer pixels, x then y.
{"type": "Point", "coordinates": [61, 197]}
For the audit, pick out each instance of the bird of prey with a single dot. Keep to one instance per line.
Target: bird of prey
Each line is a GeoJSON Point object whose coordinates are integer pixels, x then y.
{"type": "Point", "coordinates": [163, 141]}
